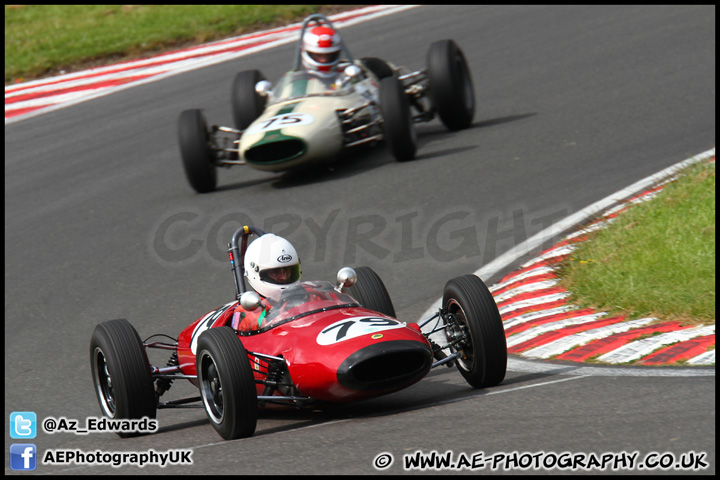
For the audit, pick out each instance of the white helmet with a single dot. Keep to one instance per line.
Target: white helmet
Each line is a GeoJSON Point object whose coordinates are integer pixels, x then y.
{"type": "Point", "coordinates": [321, 49]}
{"type": "Point", "coordinates": [271, 265]}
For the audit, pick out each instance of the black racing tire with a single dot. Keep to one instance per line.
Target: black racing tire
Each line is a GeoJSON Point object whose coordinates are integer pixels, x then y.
{"type": "Point", "coordinates": [226, 383]}
{"type": "Point", "coordinates": [451, 89]}
{"type": "Point", "coordinates": [370, 292]}
{"type": "Point", "coordinates": [399, 128]}
{"type": "Point", "coordinates": [247, 105]}
{"type": "Point", "coordinates": [197, 155]}
{"type": "Point", "coordinates": [377, 66]}
{"type": "Point", "coordinates": [121, 372]}
{"type": "Point", "coordinates": [475, 314]}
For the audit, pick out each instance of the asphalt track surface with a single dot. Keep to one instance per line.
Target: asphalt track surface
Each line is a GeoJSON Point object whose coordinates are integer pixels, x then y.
{"type": "Point", "coordinates": [574, 103]}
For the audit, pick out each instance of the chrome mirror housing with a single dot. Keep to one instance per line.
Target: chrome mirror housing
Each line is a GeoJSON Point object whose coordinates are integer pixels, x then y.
{"type": "Point", "coordinates": [352, 71]}
{"type": "Point", "coordinates": [250, 301]}
{"type": "Point", "coordinates": [263, 88]}
{"type": "Point", "coordinates": [346, 277]}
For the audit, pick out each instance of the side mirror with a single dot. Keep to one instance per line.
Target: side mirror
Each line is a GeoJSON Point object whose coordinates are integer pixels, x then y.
{"type": "Point", "coordinates": [352, 73]}
{"type": "Point", "coordinates": [346, 277]}
{"type": "Point", "coordinates": [250, 301]}
{"type": "Point", "coordinates": [263, 88]}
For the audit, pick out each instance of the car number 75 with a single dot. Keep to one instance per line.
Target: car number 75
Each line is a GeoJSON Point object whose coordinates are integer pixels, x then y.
{"type": "Point", "coordinates": [280, 121]}
{"type": "Point", "coordinates": [354, 327]}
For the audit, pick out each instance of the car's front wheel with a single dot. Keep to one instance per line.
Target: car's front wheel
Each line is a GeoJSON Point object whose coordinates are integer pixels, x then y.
{"type": "Point", "coordinates": [121, 372]}
{"type": "Point", "coordinates": [398, 124]}
{"type": "Point", "coordinates": [197, 154]}
{"type": "Point", "coordinates": [475, 329]}
{"type": "Point", "coordinates": [226, 382]}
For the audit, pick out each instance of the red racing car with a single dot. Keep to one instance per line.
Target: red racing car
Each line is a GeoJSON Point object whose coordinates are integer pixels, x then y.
{"type": "Point", "coordinates": [319, 343]}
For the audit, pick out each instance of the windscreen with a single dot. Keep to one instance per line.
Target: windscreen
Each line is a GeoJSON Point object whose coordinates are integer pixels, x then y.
{"type": "Point", "coordinates": [304, 84]}
{"type": "Point", "coordinates": [304, 299]}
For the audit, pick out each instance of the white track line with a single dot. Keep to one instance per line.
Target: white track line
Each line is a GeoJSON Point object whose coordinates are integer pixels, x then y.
{"type": "Point", "coordinates": [481, 393]}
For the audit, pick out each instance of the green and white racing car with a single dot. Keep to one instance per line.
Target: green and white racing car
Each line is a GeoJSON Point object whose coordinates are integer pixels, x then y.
{"type": "Point", "coordinates": [306, 119]}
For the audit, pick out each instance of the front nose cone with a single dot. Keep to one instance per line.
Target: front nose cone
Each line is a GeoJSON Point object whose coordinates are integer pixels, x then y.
{"type": "Point", "coordinates": [276, 151]}
{"type": "Point", "coordinates": [386, 365]}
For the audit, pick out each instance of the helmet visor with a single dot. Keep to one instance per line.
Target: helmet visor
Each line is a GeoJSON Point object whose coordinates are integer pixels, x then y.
{"type": "Point", "coordinates": [325, 58]}
{"type": "Point", "coordinates": [281, 275]}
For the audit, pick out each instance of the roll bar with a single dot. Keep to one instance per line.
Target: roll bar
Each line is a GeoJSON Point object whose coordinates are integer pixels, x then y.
{"type": "Point", "coordinates": [319, 19]}
{"type": "Point", "coordinates": [236, 252]}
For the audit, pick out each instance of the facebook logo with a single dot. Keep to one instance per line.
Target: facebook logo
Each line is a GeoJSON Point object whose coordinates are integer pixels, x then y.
{"type": "Point", "coordinates": [23, 456]}
{"type": "Point", "coordinates": [23, 425]}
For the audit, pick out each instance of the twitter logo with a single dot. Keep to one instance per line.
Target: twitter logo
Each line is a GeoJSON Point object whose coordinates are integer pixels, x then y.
{"type": "Point", "coordinates": [23, 425]}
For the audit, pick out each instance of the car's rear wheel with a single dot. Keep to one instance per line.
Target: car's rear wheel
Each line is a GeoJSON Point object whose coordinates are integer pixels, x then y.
{"type": "Point", "coordinates": [451, 89]}
{"type": "Point", "coordinates": [369, 290]}
{"type": "Point", "coordinates": [399, 127]}
{"type": "Point", "coordinates": [197, 154]}
{"type": "Point", "coordinates": [247, 105]}
{"type": "Point", "coordinates": [476, 331]}
{"type": "Point", "coordinates": [226, 382]}
{"type": "Point", "coordinates": [121, 372]}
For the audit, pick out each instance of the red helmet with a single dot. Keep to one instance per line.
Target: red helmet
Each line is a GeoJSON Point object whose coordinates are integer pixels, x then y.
{"type": "Point", "coordinates": [321, 49]}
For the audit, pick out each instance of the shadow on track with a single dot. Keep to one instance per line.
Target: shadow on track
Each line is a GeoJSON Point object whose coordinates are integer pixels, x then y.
{"type": "Point", "coordinates": [357, 162]}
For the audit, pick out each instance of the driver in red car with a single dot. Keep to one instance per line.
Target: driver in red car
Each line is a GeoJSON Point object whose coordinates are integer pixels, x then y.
{"type": "Point", "coordinates": [271, 266]}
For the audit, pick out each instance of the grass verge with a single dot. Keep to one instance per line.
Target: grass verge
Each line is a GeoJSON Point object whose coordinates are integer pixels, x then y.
{"type": "Point", "coordinates": [657, 258]}
{"type": "Point", "coordinates": [42, 40]}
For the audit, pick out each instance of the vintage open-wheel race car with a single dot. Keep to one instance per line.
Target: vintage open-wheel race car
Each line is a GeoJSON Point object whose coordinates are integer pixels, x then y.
{"type": "Point", "coordinates": [306, 119]}
{"type": "Point", "coordinates": [318, 344]}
